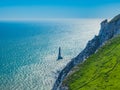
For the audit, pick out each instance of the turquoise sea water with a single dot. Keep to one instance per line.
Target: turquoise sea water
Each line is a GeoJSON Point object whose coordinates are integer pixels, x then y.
{"type": "Point", "coordinates": [28, 50]}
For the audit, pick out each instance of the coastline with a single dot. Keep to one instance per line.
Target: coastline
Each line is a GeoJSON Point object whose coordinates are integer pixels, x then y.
{"type": "Point", "coordinates": [108, 30]}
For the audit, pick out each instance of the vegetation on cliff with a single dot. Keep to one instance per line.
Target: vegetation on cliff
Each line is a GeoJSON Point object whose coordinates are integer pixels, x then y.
{"type": "Point", "coordinates": [101, 71]}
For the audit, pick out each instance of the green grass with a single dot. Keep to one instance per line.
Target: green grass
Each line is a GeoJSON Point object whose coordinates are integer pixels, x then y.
{"type": "Point", "coordinates": [101, 71]}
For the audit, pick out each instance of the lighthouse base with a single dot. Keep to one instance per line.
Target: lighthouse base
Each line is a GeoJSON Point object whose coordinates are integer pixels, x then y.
{"type": "Point", "coordinates": [60, 58]}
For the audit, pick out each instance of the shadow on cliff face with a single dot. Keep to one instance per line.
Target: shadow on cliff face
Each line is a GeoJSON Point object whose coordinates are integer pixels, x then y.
{"type": "Point", "coordinates": [108, 30]}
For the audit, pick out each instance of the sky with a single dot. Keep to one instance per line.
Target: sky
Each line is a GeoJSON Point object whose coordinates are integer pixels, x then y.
{"type": "Point", "coordinates": [43, 9]}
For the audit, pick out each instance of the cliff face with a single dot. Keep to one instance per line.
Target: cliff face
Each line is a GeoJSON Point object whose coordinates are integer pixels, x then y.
{"type": "Point", "coordinates": [107, 31]}
{"type": "Point", "coordinates": [100, 71]}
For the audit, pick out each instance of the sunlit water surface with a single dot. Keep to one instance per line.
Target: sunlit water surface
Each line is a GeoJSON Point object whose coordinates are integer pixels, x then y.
{"type": "Point", "coordinates": [28, 50]}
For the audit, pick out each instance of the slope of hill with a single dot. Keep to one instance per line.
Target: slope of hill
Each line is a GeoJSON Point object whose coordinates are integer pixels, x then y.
{"type": "Point", "coordinates": [101, 71]}
{"type": "Point", "coordinates": [107, 31]}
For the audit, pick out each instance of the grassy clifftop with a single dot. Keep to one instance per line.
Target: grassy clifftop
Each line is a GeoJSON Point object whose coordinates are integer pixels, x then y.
{"type": "Point", "coordinates": [101, 71]}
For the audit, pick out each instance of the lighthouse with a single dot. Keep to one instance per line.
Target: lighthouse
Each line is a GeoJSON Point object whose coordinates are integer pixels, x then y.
{"type": "Point", "coordinates": [59, 54]}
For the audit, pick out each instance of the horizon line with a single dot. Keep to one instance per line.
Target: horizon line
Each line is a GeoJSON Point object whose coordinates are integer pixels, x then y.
{"type": "Point", "coordinates": [48, 19]}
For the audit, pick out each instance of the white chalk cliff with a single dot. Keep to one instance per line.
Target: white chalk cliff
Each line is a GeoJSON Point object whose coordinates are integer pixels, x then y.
{"type": "Point", "coordinates": [108, 30]}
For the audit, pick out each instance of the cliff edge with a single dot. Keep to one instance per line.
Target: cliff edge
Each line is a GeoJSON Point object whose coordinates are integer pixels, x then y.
{"type": "Point", "coordinates": [108, 30]}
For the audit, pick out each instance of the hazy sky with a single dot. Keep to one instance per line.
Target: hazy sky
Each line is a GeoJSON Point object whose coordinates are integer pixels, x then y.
{"type": "Point", "coordinates": [31, 9]}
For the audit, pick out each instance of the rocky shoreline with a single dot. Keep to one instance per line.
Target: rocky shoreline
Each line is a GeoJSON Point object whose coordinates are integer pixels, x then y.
{"type": "Point", "coordinates": [107, 31]}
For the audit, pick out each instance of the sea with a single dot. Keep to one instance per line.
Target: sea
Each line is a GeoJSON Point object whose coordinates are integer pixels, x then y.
{"type": "Point", "coordinates": [29, 50]}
